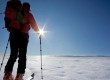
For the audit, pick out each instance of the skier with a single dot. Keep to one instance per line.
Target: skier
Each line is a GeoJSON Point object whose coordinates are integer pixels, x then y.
{"type": "Point", "coordinates": [19, 28]}
{"type": "Point", "coordinates": [12, 25]}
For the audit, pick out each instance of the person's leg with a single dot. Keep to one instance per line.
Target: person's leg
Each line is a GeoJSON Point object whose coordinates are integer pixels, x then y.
{"type": "Point", "coordinates": [13, 54]}
{"type": "Point", "coordinates": [22, 57]}
{"type": "Point", "coordinates": [22, 53]}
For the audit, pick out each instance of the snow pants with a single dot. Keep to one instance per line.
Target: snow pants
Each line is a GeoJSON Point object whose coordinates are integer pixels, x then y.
{"type": "Point", "coordinates": [18, 47]}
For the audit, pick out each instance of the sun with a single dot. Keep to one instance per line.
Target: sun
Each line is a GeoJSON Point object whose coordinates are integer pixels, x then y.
{"type": "Point", "coordinates": [42, 31]}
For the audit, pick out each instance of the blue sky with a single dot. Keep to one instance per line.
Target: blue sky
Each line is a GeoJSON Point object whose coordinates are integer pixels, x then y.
{"type": "Point", "coordinates": [75, 27]}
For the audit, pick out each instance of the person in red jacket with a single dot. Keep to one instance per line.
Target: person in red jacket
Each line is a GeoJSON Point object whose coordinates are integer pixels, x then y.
{"type": "Point", "coordinates": [19, 41]}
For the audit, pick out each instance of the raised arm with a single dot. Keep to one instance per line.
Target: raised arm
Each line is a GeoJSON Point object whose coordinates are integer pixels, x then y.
{"type": "Point", "coordinates": [33, 23]}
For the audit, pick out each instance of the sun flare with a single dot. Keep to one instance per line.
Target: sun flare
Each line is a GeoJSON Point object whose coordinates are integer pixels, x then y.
{"type": "Point", "coordinates": [41, 32]}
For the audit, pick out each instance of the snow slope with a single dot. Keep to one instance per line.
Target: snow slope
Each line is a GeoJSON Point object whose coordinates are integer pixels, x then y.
{"type": "Point", "coordinates": [66, 68]}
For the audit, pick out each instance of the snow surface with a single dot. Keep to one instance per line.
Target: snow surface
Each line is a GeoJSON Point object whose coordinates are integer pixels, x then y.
{"type": "Point", "coordinates": [65, 68]}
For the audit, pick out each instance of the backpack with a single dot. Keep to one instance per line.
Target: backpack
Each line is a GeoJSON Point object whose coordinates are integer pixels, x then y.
{"type": "Point", "coordinates": [13, 17]}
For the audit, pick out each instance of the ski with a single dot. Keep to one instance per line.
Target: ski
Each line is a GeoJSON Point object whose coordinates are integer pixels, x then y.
{"type": "Point", "coordinates": [31, 77]}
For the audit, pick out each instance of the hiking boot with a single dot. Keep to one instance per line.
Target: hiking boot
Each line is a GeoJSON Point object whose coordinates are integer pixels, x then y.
{"type": "Point", "coordinates": [8, 76]}
{"type": "Point", "coordinates": [19, 76]}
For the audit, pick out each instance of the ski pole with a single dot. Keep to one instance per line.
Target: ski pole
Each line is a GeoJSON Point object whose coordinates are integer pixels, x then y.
{"type": "Point", "coordinates": [5, 53]}
{"type": "Point", "coordinates": [41, 58]}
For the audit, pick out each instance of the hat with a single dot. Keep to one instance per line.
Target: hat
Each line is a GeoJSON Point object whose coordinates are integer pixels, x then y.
{"type": "Point", "coordinates": [26, 4]}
